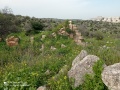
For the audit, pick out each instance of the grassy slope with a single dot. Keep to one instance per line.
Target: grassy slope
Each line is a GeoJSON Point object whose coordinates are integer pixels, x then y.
{"type": "Point", "coordinates": [27, 63]}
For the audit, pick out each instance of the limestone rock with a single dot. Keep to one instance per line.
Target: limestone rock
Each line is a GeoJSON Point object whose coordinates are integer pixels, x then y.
{"type": "Point", "coordinates": [42, 47]}
{"type": "Point", "coordinates": [32, 39]}
{"type": "Point", "coordinates": [63, 46]}
{"type": "Point", "coordinates": [111, 76]}
{"type": "Point", "coordinates": [43, 37]}
{"type": "Point", "coordinates": [81, 68]}
{"type": "Point", "coordinates": [63, 32]}
{"type": "Point", "coordinates": [82, 54]}
{"type": "Point", "coordinates": [78, 38]}
{"type": "Point", "coordinates": [12, 41]}
{"type": "Point", "coordinates": [42, 88]}
{"type": "Point", "coordinates": [52, 48]}
{"type": "Point", "coordinates": [47, 72]}
{"type": "Point", "coordinates": [54, 34]}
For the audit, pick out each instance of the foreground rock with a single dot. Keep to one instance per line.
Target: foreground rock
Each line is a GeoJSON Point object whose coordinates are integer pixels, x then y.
{"type": "Point", "coordinates": [111, 76]}
{"type": "Point", "coordinates": [81, 68]}
{"type": "Point", "coordinates": [82, 54]}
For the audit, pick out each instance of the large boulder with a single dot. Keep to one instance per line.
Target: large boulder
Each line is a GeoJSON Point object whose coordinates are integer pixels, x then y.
{"type": "Point", "coordinates": [82, 54]}
{"type": "Point", "coordinates": [111, 76]}
{"type": "Point", "coordinates": [81, 68]}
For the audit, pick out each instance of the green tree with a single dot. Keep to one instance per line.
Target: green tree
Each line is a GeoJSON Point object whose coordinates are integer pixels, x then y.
{"type": "Point", "coordinates": [37, 26]}
{"type": "Point", "coordinates": [7, 22]}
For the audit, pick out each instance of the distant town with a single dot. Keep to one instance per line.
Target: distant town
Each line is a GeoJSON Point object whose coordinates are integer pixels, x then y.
{"type": "Point", "coordinates": [107, 19]}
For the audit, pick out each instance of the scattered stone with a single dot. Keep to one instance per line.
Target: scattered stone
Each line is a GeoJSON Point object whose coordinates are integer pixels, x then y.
{"type": "Point", "coordinates": [47, 72]}
{"type": "Point", "coordinates": [81, 68]}
{"type": "Point", "coordinates": [43, 37]}
{"type": "Point", "coordinates": [42, 88]}
{"type": "Point", "coordinates": [111, 76]}
{"type": "Point", "coordinates": [52, 48]}
{"type": "Point", "coordinates": [32, 39]}
{"type": "Point", "coordinates": [63, 46]}
{"type": "Point", "coordinates": [12, 41]}
{"type": "Point", "coordinates": [54, 34]}
{"type": "Point", "coordinates": [42, 47]}
{"type": "Point", "coordinates": [82, 54]}
{"type": "Point", "coordinates": [63, 32]}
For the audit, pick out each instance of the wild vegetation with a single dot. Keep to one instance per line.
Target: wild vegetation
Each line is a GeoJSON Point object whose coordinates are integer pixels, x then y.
{"type": "Point", "coordinates": [29, 67]}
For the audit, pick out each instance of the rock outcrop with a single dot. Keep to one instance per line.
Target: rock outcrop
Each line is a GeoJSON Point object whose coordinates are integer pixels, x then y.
{"type": "Point", "coordinates": [111, 76]}
{"type": "Point", "coordinates": [81, 67]}
{"type": "Point", "coordinates": [82, 54]}
{"type": "Point", "coordinates": [12, 41]}
{"type": "Point", "coordinates": [77, 37]}
{"type": "Point", "coordinates": [63, 32]}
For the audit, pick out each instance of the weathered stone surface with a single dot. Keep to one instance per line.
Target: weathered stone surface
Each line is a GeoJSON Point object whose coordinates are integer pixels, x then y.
{"type": "Point", "coordinates": [42, 88]}
{"type": "Point", "coordinates": [42, 47]}
{"type": "Point", "coordinates": [43, 37]}
{"type": "Point", "coordinates": [54, 34]}
{"type": "Point", "coordinates": [12, 41]}
{"type": "Point", "coordinates": [32, 39]}
{"type": "Point", "coordinates": [47, 72]}
{"type": "Point", "coordinates": [63, 32]}
{"type": "Point", "coordinates": [82, 54]}
{"type": "Point", "coordinates": [52, 48]}
{"type": "Point", "coordinates": [78, 71]}
{"type": "Point", "coordinates": [78, 38]}
{"type": "Point", "coordinates": [63, 46]}
{"type": "Point", "coordinates": [111, 76]}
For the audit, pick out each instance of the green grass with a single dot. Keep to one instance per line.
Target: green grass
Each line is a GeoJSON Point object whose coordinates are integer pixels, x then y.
{"type": "Point", "coordinates": [26, 63]}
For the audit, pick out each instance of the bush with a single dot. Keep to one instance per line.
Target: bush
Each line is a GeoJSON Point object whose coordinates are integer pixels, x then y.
{"type": "Point", "coordinates": [99, 36]}
{"type": "Point", "coordinates": [37, 26]}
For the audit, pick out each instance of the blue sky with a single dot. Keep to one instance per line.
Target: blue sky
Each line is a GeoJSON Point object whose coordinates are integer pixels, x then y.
{"type": "Point", "coordinates": [64, 9]}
